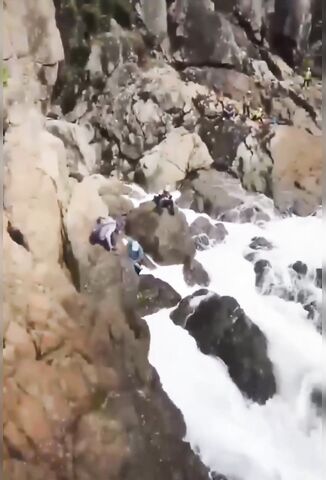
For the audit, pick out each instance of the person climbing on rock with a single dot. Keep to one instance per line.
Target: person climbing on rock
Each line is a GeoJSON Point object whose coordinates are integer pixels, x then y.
{"type": "Point", "coordinates": [307, 78]}
{"type": "Point", "coordinates": [136, 254]}
{"type": "Point", "coordinates": [164, 200]}
{"type": "Point", "coordinates": [258, 115]}
{"type": "Point", "coordinates": [105, 233]}
{"type": "Point", "coordinates": [246, 105]}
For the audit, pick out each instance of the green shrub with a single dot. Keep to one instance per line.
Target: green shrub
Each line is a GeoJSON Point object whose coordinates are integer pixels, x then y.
{"type": "Point", "coordinates": [5, 76]}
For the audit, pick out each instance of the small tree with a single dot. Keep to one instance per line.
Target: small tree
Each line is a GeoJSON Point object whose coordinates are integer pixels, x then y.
{"type": "Point", "coordinates": [4, 76]}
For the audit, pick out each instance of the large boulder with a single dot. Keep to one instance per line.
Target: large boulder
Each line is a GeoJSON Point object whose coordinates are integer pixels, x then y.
{"type": "Point", "coordinates": [203, 36]}
{"type": "Point", "coordinates": [216, 233]}
{"type": "Point", "coordinates": [67, 363]}
{"type": "Point", "coordinates": [211, 192]}
{"type": "Point", "coordinates": [222, 138]}
{"type": "Point", "coordinates": [166, 237]}
{"type": "Point", "coordinates": [155, 294]}
{"type": "Point", "coordinates": [221, 328]}
{"type": "Point", "coordinates": [75, 359]}
{"type": "Point", "coordinates": [154, 16]}
{"type": "Point", "coordinates": [291, 26]}
{"type": "Point", "coordinates": [81, 155]}
{"type": "Point", "coordinates": [114, 194]}
{"type": "Point", "coordinates": [178, 155]}
{"type": "Point", "coordinates": [195, 274]}
{"type": "Point", "coordinates": [134, 109]}
{"type": "Point", "coordinates": [233, 84]}
{"type": "Point", "coordinates": [35, 207]}
{"type": "Point", "coordinates": [286, 164]}
{"type": "Point", "coordinates": [253, 16]}
{"type": "Point", "coordinates": [187, 306]}
{"type": "Point", "coordinates": [32, 50]}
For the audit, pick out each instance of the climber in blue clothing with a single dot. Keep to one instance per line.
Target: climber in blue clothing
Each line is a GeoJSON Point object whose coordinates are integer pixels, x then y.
{"type": "Point", "coordinates": [136, 254]}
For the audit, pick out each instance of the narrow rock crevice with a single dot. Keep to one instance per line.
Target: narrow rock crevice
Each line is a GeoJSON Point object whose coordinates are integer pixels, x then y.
{"type": "Point", "coordinates": [17, 236]}
{"type": "Point", "coordinates": [69, 260]}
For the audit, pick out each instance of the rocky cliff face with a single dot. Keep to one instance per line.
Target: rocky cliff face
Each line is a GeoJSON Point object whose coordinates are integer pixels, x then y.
{"type": "Point", "coordinates": [132, 96]}
{"type": "Point", "coordinates": [32, 50]}
{"type": "Point", "coordinates": [95, 94]}
{"type": "Point", "coordinates": [80, 399]}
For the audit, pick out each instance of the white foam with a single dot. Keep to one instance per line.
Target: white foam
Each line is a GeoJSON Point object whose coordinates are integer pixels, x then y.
{"type": "Point", "coordinates": [282, 439]}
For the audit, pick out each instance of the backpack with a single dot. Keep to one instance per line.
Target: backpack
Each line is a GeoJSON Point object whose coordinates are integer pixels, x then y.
{"type": "Point", "coordinates": [135, 256]}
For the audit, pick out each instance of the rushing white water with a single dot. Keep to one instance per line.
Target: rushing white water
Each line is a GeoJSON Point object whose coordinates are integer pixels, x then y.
{"type": "Point", "coordinates": [280, 440]}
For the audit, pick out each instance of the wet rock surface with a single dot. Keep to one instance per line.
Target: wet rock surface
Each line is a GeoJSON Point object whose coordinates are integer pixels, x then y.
{"type": "Point", "coordinates": [195, 274]}
{"type": "Point", "coordinates": [205, 234]}
{"type": "Point", "coordinates": [295, 284]}
{"type": "Point", "coordinates": [155, 294]}
{"type": "Point", "coordinates": [187, 305]}
{"type": "Point", "coordinates": [221, 328]}
{"type": "Point", "coordinates": [260, 243]}
{"type": "Point", "coordinates": [211, 192]}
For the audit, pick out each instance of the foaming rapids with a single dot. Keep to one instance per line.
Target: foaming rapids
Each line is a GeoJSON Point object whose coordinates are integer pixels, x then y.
{"type": "Point", "coordinates": [282, 439]}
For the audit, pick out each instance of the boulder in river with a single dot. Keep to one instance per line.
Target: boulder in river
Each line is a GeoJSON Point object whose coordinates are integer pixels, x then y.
{"type": "Point", "coordinates": [201, 241]}
{"type": "Point", "coordinates": [166, 237]}
{"type": "Point", "coordinates": [319, 278]}
{"type": "Point", "coordinates": [195, 274]}
{"type": "Point", "coordinates": [221, 328]}
{"type": "Point", "coordinates": [260, 243]}
{"type": "Point", "coordinates": [187, 305]}
{"type": "Point", "coordinates": [155, 294]}
{"type": "Point", "coordinates": [300, 268]}
{"type": "Point", "coordinates": [216, 232]}
{"type": "Point", "coordinates": [211, 192]}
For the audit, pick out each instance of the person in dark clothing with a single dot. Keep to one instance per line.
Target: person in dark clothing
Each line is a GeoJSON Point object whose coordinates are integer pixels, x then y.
{"type": "Point", "coordinates": [164, 200]}
{"type": "Point", "coordinates": [229, 111]}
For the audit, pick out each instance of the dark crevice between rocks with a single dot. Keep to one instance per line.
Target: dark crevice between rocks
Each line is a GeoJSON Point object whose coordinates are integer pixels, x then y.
{"type": "Point", "coordinates": [17, 236]}
{"type": "Point", "coordinates": [69, 259]}
{"type": "Point", "coordinates": [259, 44]}
{"type": "Point", "coordinates": [245, 24]}
{"type": "Point", "coordinates": [276, 71]}
{"type": "Point", "coordinates": [301, 102]}
{"type": "Point", "coordinates": [181, 66]}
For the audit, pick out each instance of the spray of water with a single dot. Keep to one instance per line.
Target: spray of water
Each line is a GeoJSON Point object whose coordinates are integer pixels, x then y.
{"type": "Point", "coordinates": [280, 440]}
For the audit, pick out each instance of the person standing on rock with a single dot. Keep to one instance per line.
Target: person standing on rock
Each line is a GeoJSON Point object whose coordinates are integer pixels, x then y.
{"type": "Point", "coordinates": [136, 254]}
{"type": "Point", "coordinates": [164, 200]}
{"type": "Point", "coordinates": [246, 106]}
{"type": "Point", "coordinates": [307, 78]}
